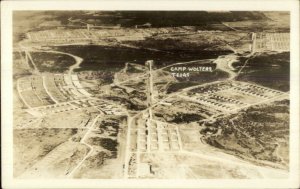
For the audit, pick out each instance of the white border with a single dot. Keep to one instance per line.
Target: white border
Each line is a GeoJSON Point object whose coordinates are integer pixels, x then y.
{"type": "Point", "coordinates": [6, 91]}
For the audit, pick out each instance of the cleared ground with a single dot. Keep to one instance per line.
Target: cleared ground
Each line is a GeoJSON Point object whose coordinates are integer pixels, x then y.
{"type": "Point", "coordinates": [32, 145]}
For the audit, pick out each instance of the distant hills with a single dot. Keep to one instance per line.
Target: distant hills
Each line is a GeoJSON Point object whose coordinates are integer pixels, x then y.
{"type": "Point", "coordinates": [163, 18]}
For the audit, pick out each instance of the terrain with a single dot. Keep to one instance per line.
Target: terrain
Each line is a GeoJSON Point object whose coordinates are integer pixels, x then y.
{"type": "Point", "coordinates": [151, 94]}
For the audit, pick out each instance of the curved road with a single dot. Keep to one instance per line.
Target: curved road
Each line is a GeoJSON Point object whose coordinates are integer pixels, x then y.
{"type": "Point", "coordinates": [77, 59]}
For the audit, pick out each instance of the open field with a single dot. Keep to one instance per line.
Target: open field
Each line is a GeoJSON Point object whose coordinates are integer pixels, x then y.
{"type": "Point", "coordinates": [101, 165]}
{"type": "Point", "coordinates": [58, 163]}
{"type": "Point", "coordinates": [31, 145]}
{"type": "Point", "coordinates": [183, 166]}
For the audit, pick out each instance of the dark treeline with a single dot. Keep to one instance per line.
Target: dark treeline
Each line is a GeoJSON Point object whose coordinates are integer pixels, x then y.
{"type": "Point", "coordinates": [156, 18]}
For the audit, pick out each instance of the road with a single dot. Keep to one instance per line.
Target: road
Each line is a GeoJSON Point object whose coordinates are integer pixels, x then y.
{"type": "Point", "coordinates": [46, 89]}
{"type": "Point", "coordinates": [27, 51]}
{"type": "Point", "coordinates": [127, 151]}
{"type": "Point", "coordinates": [246, 62]}
{"type": "Point", "coordinates": [71, 174]}
{"type": "Point", "coordinates": [224, 63]}
{"type": "Point", "coordinates": [77, 59]}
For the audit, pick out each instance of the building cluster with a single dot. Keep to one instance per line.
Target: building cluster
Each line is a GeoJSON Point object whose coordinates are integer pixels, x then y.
{"type": "Point", "coordinates": [272, 42]}
{"type": "Point", "coordinates": [230, 96]}
{"type": "Point", "coordinates": [32, 92]}
{"type": "Point", "coordinates": [77, 35]}
{"type": "Point", "coordinates": [155, 136]}
{"type": "Point", "coordinates": [55, 93]}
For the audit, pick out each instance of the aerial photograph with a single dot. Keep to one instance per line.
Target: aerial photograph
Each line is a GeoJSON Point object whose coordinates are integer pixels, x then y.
{"type": "Point", "coordinates": [151, 94]}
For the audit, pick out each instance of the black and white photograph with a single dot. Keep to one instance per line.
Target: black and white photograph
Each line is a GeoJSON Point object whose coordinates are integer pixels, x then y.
{"type": "Point", "coordinates": [151, 94]}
